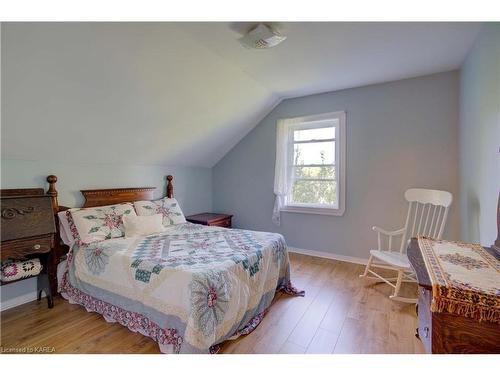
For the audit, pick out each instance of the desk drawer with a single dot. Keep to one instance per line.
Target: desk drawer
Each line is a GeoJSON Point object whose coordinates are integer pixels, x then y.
{"type": "Point", "coordinates": [17, 249]}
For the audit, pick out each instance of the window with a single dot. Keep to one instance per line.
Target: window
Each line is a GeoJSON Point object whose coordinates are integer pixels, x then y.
{"type": "Point", "coordinates": [315, 162]}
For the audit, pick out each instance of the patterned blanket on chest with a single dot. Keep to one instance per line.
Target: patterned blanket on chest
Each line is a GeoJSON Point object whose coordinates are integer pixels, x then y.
{"type": "Point", "coordinates": [189, 288]}
{"type": "Point", "coordinates": [465, 279]}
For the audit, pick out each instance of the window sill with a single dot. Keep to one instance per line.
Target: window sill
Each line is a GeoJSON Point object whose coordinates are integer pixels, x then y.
{"type": "Point", "coordinates": [314, 210]}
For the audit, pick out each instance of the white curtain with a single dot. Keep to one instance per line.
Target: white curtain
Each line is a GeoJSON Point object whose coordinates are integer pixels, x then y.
{"type": "Point", "coordinates": [281, 178]}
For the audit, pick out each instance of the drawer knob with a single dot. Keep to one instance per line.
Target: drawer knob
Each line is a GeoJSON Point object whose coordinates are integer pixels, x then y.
{"type": "Point", "coordinates": [36, 247]}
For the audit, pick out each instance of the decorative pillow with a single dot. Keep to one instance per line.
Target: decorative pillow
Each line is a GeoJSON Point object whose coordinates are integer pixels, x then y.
{"type": "Point", "coordinates": [12, 270]}
{"type": "Point", "coordinates": [142, 225]}
{"type": "Point", "coordinates": [168, 207]}
{"type": "Point", "coordinates": [98, 223]}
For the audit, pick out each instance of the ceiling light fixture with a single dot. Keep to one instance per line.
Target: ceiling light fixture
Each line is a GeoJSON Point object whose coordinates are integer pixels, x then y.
{"type": "Point", "coordinates": [262, 37]}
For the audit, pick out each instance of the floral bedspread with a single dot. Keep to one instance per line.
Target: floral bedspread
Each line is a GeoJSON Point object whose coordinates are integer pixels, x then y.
{"type": "Point", "coordinates": [465, 279]}
{"type": "Point", "coordinates": [189, 288]}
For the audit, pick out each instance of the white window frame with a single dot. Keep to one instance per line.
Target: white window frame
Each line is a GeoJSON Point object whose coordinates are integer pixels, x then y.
{"type": "Point", "coordinates": [311, 122]}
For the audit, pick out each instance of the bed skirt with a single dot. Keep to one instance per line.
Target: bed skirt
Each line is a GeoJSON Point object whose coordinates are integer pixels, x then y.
{"type": "Point", "coordinates": [168, 339]}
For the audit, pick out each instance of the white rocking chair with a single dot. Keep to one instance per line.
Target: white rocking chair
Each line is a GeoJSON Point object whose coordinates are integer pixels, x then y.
{"type": "Point", "coordinates": [427, 213]}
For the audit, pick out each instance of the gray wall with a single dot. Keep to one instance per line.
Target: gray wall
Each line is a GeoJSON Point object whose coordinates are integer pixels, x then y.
{"type": "Point", "coordinates": [480, 137]}
{"type": "Point", "coordinates": [399, 135]}
{"type": "Point", "coordinates": [192, 187]}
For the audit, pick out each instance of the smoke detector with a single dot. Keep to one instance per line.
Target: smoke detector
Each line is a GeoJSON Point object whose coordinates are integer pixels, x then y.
{"type": "Point", "coordinates": [261, 37]}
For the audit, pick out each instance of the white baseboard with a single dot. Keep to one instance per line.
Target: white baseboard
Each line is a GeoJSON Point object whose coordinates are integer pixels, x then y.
{"type": "Point", "coordinates": [323, 254]}
{"type": "Point", "coordinates": [19, 300]}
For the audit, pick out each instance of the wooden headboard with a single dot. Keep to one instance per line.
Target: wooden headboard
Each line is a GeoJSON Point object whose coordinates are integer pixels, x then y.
{"type": "Point", "coordinates": [93, 198]}
{"type": "Point", "coordinates": [104, 197]}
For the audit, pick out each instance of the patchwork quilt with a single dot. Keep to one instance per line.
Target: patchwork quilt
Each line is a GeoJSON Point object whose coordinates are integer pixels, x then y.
{"type": "Point", "coordinates": [189, 288]}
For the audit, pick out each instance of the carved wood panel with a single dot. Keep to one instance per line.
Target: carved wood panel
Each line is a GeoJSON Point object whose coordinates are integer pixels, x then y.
{"type": "Point", "coordinates": [26, 217]}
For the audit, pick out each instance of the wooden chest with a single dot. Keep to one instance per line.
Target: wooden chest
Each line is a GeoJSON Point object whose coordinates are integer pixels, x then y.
{"type": "Point", "coordinates": [443, 332]}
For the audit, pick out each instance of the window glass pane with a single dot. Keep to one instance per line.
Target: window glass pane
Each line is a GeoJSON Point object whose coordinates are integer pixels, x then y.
{"type": "Point", "coordinates": [314, 172]}
{"type": "Point", "coordinates": [314, 153]}
{"type": "Point", "coordinates": [314, 134]}
{"type": "Point", "coordinates": [314, 192]}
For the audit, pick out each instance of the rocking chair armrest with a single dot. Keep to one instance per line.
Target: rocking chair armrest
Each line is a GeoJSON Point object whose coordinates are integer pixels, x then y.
{"type": "Point", "coordinates": [389, 233]}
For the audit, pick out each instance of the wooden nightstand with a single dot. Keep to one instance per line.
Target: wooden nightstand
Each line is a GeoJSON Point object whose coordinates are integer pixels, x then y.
{"type": "Point", "coordinates": [211, 219]}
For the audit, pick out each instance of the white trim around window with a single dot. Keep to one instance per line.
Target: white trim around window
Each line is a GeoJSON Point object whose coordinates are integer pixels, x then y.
{"type": "Point", "coordinates": [338, 121]}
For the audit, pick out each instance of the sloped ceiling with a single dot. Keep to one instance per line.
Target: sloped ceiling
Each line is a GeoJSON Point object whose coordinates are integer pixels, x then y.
{"type": "Point", "coordinates": [186, 93]}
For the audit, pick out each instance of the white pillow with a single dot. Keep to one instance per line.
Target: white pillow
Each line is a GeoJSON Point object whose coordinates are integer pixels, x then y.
{"type": "Point", "coordinates": [99, 223]}
{"type": "Point", "coordinates": [142, 225]}
{"type": "Point", "coordinates": [168, 207]}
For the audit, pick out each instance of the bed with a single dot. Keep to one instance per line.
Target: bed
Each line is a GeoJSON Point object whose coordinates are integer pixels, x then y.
{"type": "Point", "coordinates": [189, 287]}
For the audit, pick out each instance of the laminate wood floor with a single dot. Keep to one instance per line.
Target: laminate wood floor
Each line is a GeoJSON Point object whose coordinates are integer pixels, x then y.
{"type": "Point", "coordinates": [339, 314]}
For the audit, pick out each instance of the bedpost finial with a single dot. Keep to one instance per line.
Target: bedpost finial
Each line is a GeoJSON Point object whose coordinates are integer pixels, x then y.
{"type": "Point", "coordinates": [52, 192]}
{"type": "Point", "coordinates": [52, 179]}
{"type": "Point", "coordinates": [170, 186]}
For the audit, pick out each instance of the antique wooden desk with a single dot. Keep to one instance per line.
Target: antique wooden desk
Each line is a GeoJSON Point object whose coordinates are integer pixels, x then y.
{"type": "Point", "coordinates": [27, 231]}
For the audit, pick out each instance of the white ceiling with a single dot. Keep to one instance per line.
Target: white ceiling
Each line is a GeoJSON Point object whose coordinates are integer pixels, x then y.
{"type": "Point", "coordinates": [185, 94]}
{"type": "Point", "coordinates": [319, 57]}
